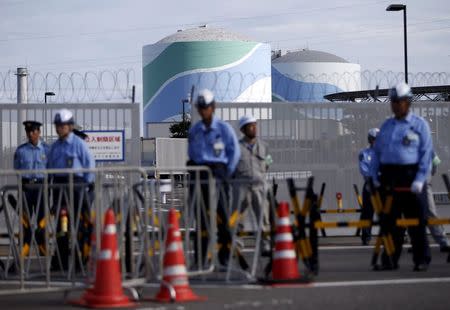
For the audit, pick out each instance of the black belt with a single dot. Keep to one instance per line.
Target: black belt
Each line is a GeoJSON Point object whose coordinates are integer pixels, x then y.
{"type": "Point", "coordinates": [32, 180]}
{"type": "Point", "coordinates": [398, 175]}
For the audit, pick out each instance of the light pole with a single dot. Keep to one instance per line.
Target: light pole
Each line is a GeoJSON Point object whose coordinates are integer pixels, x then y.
{"type": "Point", "coordinates": [402, 7]}
{"type": "Point", "coordinates": [184, 111]}
{"type": "Point", "coordinates": [48, 93]}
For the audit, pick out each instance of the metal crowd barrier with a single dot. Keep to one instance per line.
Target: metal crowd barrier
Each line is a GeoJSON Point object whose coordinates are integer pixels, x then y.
{"type": "Point", "coordinates": [250, 219]}
{"type": "Point", "coordinates": [32, 254]}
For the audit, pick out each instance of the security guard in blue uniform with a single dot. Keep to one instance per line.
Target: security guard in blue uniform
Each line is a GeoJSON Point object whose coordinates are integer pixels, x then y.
{"type": "Point", "coordinates": [70, 151]}
{"type": "Point", "coordinates": [403, 151]}
{"type": "Point", "coordinates": [213, 143]}
{"type": "Point", "coordinates": [32, 155]}
{"type": "Point", "coordinates": [365, 161]}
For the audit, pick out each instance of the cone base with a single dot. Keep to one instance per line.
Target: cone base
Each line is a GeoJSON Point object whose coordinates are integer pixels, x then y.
{"type": "Point", "coordinates": [90, 300]}
{"type": "Point", "coordinates": [182, 295]}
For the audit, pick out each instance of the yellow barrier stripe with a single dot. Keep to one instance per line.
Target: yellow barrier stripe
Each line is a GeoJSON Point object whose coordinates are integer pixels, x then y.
{"type": "Point", "coordinates": [308, 247]}
{"type": "Point", "coordinates": [368, 223]}
{"type": "Point", "coordinates": [356, 224]}
{"type": "Point", "coordinates": [407, 222]}
{"type": "Point", "coordinates": [360, 224]}
{"type": "Point", "coordinates": [296, 205]}
{"type": "Point", "coordinates": [25, 223]}
{"type": "Point", "coordinates": [373, 200]}
{"type": "Point", "coordinates": [234, 218]}
{"type": "Point", "coordinates": [42, 223]}
{"type": "Point", "coordinates": [319, 225]}
{"type": "Point", "coordinates": [319, 201]}
{"type": "Point", "coordinates": [415, 222]}
{"type": "Point", "coordinates": [360, 201]}
{"type": "Point", "coordinates": [244, 234]}
{"type": "Point", "coordinates": [304, 246]}
{"type": "Point", "coordinates": [306, 206]}
{"type": "Point", "coordinates": [25, 250]}
{"type": "Point", "coordinates": [86, 250]}
{"type": "Point", "coordinates": [436, 221]}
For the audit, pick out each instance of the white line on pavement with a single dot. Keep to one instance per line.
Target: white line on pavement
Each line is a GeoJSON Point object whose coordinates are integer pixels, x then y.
{"type": "Point", "coordinates": [342, 247]}
{"type": "Point", "coordinates": [379, 282]}
{"type": "Point", "coordinates": [360, 247]}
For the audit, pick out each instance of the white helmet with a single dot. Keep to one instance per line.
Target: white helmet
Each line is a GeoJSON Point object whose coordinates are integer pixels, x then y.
{"type": "Point", "coordinates": [63, 116]}
{"type": "Point", "coordinates": [246, 119]}
{"type": "Point", "coordinates": [401, 91]}
{"type": "Point", "coordinates": [373, 132]}
{"type": "Point", "coordinates": [205, 98]}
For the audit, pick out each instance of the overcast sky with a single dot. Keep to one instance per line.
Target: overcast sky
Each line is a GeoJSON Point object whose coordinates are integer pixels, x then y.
{"type": "Point", "coordinates": [81, 35]}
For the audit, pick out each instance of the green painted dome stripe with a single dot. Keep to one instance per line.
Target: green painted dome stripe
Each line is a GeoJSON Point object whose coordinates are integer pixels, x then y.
{"type": "Point", "coordinates": [184, 56]}
{"type": "Point", "coordinates": [275, 99]}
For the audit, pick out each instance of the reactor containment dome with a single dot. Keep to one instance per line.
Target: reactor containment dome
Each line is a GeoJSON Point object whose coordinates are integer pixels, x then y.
{"type": "Point", "coordinates": [235, 68]}
{"type": "Point", "coordinates": [308, 75]}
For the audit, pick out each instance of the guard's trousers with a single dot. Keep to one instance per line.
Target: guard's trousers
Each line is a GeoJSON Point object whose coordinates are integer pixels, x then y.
{"type": "Point", "coordinates": [407, 205]}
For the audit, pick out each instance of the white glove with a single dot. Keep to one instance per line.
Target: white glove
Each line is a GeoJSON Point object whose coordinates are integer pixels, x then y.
{"type": "Point", "coordinates": [416, 187]}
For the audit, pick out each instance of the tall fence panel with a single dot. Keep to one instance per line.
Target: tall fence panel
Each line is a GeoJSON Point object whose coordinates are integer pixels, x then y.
{"type": "Point", "coordinates": [324, 139]}
{"type": "Point", "coordinates": [92, 116]}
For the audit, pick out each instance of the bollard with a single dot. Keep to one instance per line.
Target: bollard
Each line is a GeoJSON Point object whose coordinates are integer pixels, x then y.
{"type": "Point", "coordinates": [339, 200]}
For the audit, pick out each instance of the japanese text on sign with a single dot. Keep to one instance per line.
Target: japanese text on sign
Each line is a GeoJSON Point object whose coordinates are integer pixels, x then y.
{"type": "Point", "coordinates": [106, 145]}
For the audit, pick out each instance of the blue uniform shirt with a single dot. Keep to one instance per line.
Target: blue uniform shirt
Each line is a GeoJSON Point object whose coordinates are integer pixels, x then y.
{"type": "Point", "coordinates": [404, 142]}
{"type": "Point", "coordinates": [366, 157]}
{"type": "Point", "coordinates": [30, 157]}
{"type": "Point", "coordinates": [216, 144]}
{"type": "Point", "coordinates": [71, 152]}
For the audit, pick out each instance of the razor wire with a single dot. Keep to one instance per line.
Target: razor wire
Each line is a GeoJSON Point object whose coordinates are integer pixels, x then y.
{"type": "Point", "coordinates": [116, 85]}
{"type": "Point", "coordinates": [90, 86]}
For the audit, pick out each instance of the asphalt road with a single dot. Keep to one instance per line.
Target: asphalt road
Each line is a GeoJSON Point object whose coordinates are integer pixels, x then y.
{"type": "Point", "coordinates": [345, 282]}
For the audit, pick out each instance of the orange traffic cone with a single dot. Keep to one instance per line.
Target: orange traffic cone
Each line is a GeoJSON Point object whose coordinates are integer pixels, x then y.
{"type": "Point", "coordinates": [175, 278]}
{"type": "Point", "coordinates": [285, 265]}
{"type": "Point", "coordinates": [107, 291]}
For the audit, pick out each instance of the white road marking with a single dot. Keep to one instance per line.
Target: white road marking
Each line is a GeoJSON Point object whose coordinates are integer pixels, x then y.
{"type": "Point", "coordinates": [342, 247]}
{"type": "Point", "coordinates": [329, 284]}
{"type": "Point", "coordinates": [379, 282]}
{"type": "Point", "coordinates": [257, 304]}
{"type": "Point", "coordinates": [360, 247]}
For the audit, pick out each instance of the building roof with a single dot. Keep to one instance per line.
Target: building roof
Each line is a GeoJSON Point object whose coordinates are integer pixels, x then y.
{"type": "Point", "coordinates": [432, 93]}
{"type": "Point", "coordinates": [204, 33]}
{"type": "Point", "coordinates": [309, 56]}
